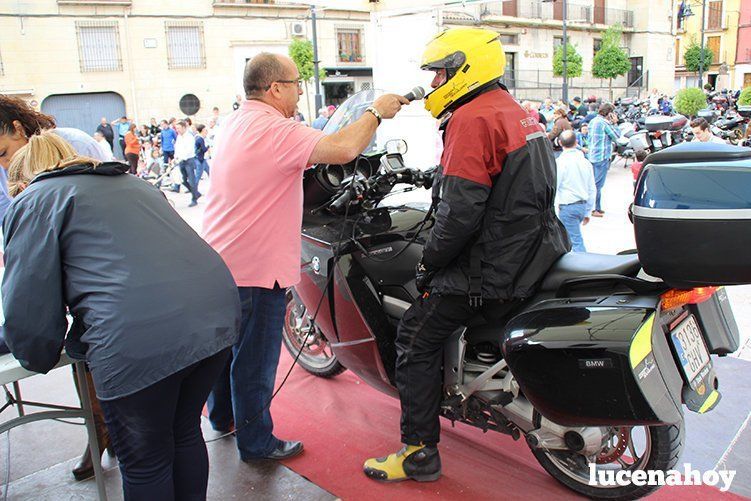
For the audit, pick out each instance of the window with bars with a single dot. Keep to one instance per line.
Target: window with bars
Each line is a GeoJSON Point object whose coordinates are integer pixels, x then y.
{"type": "Point", "coordinates": [99, 46]}
{"type": "Point", "coordinates": [349, 45]}
{"type": "Point", "coordinates": [185, 45]}
{"type": "Point", "coordinates": [596, 46]}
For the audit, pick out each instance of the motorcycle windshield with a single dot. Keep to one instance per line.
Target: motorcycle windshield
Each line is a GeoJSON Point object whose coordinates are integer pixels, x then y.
{"type": "Point", "coordinates": [351, 110]}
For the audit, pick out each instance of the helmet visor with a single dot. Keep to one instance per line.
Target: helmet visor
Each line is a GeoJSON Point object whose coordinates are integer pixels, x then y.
{"type": "Point", "coordinates": [451, 62]}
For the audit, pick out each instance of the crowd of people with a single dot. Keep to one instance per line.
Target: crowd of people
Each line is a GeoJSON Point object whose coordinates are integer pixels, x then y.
{"type": "Point", "coordinates": [152, 150]}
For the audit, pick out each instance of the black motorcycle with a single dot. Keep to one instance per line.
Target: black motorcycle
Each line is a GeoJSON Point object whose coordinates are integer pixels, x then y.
{"type": "Point", "coordinates": [593, 372]}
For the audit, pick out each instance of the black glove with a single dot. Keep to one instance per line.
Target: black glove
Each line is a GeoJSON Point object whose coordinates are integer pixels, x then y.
{"type": "Point", "coordinates": [423, 276]}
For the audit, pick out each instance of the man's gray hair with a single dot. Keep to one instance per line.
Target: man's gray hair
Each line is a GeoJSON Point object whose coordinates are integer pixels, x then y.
{"type": "Point", "coordinates": [261, 71]}
{"type": "Point", "coordinates": [567, 139]}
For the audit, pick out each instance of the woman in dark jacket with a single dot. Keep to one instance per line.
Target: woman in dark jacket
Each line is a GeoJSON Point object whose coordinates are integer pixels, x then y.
{"type": "Point", "coordinates": [155, 310]}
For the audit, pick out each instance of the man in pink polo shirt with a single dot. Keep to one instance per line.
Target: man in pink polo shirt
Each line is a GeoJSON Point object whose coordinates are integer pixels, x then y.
{"type": "Point", "coordinates": [253, 218]}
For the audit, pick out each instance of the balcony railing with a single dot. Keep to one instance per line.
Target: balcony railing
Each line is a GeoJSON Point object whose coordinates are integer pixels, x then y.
{"type": "Point", "coordinates": [548, 11]}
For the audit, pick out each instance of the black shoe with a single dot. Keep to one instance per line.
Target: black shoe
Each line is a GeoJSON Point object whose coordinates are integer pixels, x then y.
{"type": "Point", "coordinates": [285, 450]}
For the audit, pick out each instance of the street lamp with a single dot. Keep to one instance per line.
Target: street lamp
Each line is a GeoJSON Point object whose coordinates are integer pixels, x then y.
{"type": "Point", "coordinates": [564, 88]}
{"type": "Point", "coordinates": [683, 13]}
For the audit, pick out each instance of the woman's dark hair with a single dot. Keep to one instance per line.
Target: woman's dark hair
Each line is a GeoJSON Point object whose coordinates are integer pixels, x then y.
{"type": "Point", "coordinates": [33, 122]}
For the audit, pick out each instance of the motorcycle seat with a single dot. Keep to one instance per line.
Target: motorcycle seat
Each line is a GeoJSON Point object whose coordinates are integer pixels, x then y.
{"type": "Point", "coordinates": [581, 264]}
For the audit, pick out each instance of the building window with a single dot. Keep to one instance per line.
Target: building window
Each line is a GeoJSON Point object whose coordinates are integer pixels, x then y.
{"type": "Point", "coordinates": [2, 68]}
{"type": "Point", "coordinates": [678, 52]}
{"type": "Point", "coordinates": [509, 39]}
{"type": "Point", "coordinates": [596, 46]}
{"type": "Point", "coordinates": [190, 104]}
{"type": "Point", "coordinates": [713, 44]}
{"type": "Point", "coordinates": [185, 45]}
{"type": "Point", "coordinates": [714, 15]}
{"type": "Point", "coordinates": [99, 46]}
{"type": "Point", "coordinates": [349, 45]}
{"type": "Point", "coordinates": [557, 42]}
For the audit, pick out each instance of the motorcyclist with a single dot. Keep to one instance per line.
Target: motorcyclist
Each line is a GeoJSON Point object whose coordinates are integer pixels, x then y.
{"type": "Point", "coordinates": [495, 233]}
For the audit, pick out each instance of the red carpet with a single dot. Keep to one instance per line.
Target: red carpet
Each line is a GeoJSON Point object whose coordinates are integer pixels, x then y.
{"type": "Point", "coordinates": [343, 421]}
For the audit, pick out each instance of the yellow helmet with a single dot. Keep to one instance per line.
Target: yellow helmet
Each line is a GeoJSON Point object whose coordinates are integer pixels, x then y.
{"type": "Point", "coordinates": [472, 58]}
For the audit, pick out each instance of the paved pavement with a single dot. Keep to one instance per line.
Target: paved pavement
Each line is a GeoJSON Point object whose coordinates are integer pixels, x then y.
{"type": "Point", "coordinates": [41, 454]}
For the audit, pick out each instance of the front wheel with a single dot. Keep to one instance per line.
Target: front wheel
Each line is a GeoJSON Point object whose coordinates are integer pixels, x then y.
{"type": "Point", "coordinates": [628, 448]}
{"type": "Point", "coordinates": [300, 337]}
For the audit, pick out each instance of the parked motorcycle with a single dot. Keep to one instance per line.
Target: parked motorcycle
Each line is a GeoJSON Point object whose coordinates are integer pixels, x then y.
{"type": "Point", "coordinates": [593, 372]}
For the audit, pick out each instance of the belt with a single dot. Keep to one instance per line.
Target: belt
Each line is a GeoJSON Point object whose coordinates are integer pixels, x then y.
{"type": "Point", "coordinates": [573, 203]}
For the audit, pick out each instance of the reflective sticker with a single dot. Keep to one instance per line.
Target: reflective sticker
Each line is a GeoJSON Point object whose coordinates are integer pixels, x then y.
{"type": "Point", "coordinates": [641, 344]}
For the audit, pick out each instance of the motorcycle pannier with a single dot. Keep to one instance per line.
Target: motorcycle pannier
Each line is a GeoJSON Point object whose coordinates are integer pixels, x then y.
{"type": "Point", "coordinates": [658, 122]}
{"type": "Point", "coordinates": [692, 215]}
{"type": "Point", "coordinates": [744, 111]}
{"type": "Point", "coordinates": [594, 362]}
{"type": "Point", "coordinates": [708, 115]}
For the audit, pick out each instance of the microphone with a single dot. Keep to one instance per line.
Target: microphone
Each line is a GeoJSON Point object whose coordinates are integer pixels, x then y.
{"type": "Point", "coordinates": [415, 94]}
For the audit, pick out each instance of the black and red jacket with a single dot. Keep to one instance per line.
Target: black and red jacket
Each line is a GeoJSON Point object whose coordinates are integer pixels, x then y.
{"type": "Point", "coordinates": [496, 232]}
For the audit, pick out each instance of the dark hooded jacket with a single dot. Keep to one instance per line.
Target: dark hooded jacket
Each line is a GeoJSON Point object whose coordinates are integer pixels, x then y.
{"type": "Point", "coordinates": [147, 295]}
{"type": "Point", "coordinates": [496, 233]}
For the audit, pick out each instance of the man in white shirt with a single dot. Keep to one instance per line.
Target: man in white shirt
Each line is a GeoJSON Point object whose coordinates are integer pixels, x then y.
{"type": "Point", "coordinates": [104, 146]}
{"type": "Point", "coordinates": [702, 132]}
{"type": "Point", "coordinates": [576, 191]}
{"type": "Point", "coordinates": [185, 157]}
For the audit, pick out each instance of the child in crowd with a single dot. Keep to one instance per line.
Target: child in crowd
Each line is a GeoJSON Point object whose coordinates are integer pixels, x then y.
{"type": "Point", "coordinates": [582, 138]}
{"type": "Point", "coordinates": [636, 166]}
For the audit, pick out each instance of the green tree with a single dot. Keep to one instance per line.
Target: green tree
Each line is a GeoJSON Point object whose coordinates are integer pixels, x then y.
{"type": "Point", "coordinates": [573, 60]}
{"type": "Point", "coordinates": [301, 52]}
{"type": "Point", "coordinates": [745, 98]}
{"type": "Point", "coordinates": [611, 61]}
{"type": "Point", "coordinates": [689, 101]}
{"type": "Point", "coordinates": [693, 56]}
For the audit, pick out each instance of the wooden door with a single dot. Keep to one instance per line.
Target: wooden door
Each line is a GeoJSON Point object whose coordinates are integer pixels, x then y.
{"type": "Point", "coordinates": [509, 8]}
{"type": "Point", "coordinates": [558, 10]}
{"type": "Point", "coordinates": [599, 13]}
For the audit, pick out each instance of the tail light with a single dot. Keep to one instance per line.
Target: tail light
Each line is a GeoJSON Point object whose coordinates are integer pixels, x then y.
{"type": "Point", "coordinates": [675, 298]}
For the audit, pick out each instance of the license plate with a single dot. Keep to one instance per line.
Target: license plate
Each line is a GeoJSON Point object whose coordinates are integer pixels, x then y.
{"type": "Point", "coordinates": [689, 345]}
{"type": "Point", "coordinates": [657, 143]}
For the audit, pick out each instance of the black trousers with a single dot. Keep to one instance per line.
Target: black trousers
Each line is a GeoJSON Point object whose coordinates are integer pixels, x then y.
{"type": "Point", "coordinates": [133, 162]}
{"type": "Point", "coordinates": [422, 332]}
{"type": "Point", "coordinates": [156, 433]}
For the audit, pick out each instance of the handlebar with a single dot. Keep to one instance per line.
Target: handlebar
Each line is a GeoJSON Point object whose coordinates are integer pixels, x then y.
{"type": "Point", "coordinates": [341, 201]}
{"type": "Point", "coordinates": [379, 186]}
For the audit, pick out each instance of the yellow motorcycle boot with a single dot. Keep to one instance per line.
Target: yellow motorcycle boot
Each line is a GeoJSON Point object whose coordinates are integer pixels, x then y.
{"type": "Point", "coordinates": [415, 462]}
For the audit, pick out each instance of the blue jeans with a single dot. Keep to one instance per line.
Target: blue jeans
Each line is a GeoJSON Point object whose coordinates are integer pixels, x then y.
{"type": "Point", "coordinates": [156, 433]}
{"type": "Point", "coordinates": [572, 216]}
{"type": "Point", "coordinates": [252, 373]}
{"type": "Point", "coordinates": [601, 172]}
{"type": "Point", "coordinates": [201, 167]}
{"type": "Point", "coordinates": [188, 171]}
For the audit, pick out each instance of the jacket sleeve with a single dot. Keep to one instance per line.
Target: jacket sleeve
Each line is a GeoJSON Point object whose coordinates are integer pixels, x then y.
{"type": "Point", "coordinates": [464, 191]}
{"type": "Point", "coordinates": [32, 290]}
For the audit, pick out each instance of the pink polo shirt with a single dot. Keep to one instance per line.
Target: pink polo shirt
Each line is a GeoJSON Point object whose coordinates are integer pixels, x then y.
{"type": "Point", "coordinates": [253, 214]}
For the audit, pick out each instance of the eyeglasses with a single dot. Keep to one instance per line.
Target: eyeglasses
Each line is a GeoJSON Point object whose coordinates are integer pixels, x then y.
{"type": "Point", "coordinates": [298, 82]}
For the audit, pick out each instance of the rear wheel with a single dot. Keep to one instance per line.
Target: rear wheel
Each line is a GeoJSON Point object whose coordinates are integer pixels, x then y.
{"type": "Point", "coordinates": [316, 356]}
{"type": "Point", "coordinates": [629, 448]}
